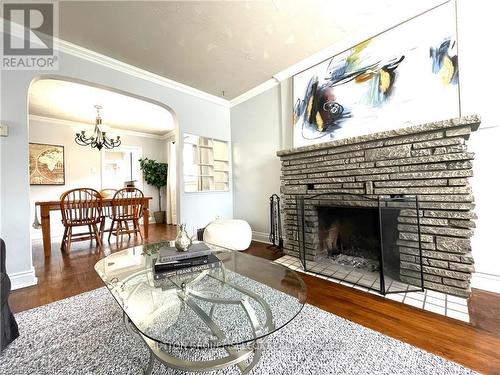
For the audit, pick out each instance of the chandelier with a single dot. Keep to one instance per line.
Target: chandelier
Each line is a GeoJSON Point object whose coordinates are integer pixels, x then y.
{"type": "Point", "coordinates": [98, 139]}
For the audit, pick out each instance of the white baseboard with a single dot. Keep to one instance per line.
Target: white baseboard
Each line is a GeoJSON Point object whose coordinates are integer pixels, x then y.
{"type": "Point", "coordinates": [260, 237]}
{"type": "Point", "coordinates": [23, 279]}
{"type": "Point", "coordinates": [484, 281]}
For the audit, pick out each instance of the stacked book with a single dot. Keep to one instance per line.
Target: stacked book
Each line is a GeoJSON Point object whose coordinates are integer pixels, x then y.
{"type": "Point", "coordinates": [171, 262]}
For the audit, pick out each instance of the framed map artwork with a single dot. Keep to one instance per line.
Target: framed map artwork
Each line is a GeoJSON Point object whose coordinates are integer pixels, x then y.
{"type": "Point", "coordinates": [46, 164]}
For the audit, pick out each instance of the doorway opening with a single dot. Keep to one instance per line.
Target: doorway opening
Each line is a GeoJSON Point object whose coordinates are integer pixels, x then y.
{"type": "Point", "coordinates": [61, 107]}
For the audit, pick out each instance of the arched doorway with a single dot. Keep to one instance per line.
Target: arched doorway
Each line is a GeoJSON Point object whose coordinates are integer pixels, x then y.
{"type": "Point", "coordinates": [61, 106]}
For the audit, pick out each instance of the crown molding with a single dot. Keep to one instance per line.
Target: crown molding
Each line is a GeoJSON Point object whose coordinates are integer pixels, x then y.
{"type": "Point", "coordinates": [169, 134]}
{"type": "Point", "coordinates": [57, 121]}
{"type": "Point", "coordinates": [109, 62]}
{"type": "Point", "coordinates": [72, 49]}
{"type": "Point", "coordinates": [324, 54]}
{"type": "Point", "coordinates": [334, 49]}
{"type": "Point", "coordinates": [270, 83]}
{"type": "Point", "coordinates": [347, 42]}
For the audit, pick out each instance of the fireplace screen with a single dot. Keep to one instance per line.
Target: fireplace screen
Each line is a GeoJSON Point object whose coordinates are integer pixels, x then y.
{"type": "Point", "coordinates": [356, 238]}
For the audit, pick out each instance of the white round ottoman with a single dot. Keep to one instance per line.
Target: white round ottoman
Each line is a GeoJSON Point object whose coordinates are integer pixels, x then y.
{"type": "Point", "coordinates": [232, 234]}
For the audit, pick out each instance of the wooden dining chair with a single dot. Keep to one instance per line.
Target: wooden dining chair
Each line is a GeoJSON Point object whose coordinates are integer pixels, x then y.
{"type": "Point", "coordinates": [127, 208]}
{"type": "Point", "coordinates": [107, 213]}
{"type": "Point", "coordinates": [80, 207]}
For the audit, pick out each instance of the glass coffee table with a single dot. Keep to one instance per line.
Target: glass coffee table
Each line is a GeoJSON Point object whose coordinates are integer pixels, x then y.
{"type": "Point", "coordinates": [206, 320]}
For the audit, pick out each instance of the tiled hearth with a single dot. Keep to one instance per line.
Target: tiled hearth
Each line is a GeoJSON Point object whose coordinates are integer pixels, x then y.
{"type": "Point", "coordinates": [436, 302]}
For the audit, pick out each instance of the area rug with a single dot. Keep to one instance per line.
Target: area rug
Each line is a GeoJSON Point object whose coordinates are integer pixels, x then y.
{"type": "Point", "coordinates": [85, 335]}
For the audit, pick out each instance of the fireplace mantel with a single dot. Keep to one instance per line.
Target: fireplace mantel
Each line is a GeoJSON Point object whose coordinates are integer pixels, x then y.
{"type": "Point", "coordinates": [429, 160]}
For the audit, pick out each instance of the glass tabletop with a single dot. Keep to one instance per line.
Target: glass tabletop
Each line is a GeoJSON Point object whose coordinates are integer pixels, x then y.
{"type": "Point", "coordinates": [244, 299]}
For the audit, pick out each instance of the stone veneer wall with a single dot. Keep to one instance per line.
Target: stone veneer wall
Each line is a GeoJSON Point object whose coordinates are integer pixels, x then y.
{"type": "Point", "coordinates": [429, 160]}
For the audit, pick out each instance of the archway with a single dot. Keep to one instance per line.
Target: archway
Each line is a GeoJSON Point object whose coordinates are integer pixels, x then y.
{"type": "Point", "coordinates": [149, 142]}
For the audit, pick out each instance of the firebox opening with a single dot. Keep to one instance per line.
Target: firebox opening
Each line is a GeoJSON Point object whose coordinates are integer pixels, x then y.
{"type": "Point", "coordinates": [359, 241]}
{"type": "Point", "coordinates": [349, 231]}
{"type": "Point", "coordinates": [349, 236]}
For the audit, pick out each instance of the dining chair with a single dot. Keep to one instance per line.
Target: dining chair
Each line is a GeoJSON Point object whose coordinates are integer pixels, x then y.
{"type": "Point", "coordinates": [107, 213]}
{"type": "Point", "coordinates": [80, 207]}
{"type": "Point", "coordinates": [127, 208]}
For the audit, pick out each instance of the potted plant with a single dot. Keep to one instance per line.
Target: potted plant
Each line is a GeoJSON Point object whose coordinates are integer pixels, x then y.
{"type": "Point", "coordinates": [155, 174]}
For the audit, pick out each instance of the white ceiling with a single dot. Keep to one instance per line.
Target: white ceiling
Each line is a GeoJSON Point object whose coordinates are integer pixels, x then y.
{"type": "Point", "coordinates": [223, 46]}
{"type": "Point", "coordinates": [75, 102]}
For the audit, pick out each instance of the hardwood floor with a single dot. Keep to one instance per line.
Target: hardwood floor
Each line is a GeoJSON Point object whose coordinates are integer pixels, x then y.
{"type": "Point", "coordinates": [65, 275]}
{"type": "Point", "coordinates": [474, 345]}
{"type": "Point", "coordinates": [484, 311]}
{"type": "Point", "coordinates": [449, 338]}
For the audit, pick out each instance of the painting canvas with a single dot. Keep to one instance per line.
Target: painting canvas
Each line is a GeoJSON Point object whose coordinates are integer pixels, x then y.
{"type": "Point", "coordinates": [46, 164]}
{"type": "Point", "coordinates": [405, 76]}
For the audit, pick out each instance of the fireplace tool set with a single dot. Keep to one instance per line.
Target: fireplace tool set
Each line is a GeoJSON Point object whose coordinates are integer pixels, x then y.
{"type": "Point", "coordinates": [275, 235]}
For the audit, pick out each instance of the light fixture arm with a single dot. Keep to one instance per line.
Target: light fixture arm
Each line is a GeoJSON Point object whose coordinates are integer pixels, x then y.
{"type": "Point", "coordinates": [98, 139]}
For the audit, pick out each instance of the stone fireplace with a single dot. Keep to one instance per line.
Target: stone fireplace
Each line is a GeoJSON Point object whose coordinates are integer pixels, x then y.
{"type": "Point", "coordinates": [430, 161]}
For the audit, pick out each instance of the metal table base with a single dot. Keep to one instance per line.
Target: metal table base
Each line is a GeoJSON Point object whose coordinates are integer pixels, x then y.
{"type": "Point", "coordinates": [244, 358]}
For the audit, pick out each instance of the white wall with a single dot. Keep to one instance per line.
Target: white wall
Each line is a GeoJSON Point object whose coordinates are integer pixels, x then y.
{"type": "Point", "coordinates": [479, 85]}
{"type": "Point", "coordinates": [255, 134]}
{"type": "Point", "coordinates": [193, 114]}
{"type": "Point", "coordinates": [477, 25]}
{"type": "Point", "coordinates": [83, 166]}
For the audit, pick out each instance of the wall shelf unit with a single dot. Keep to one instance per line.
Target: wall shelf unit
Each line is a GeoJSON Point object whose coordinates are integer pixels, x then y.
{"type": "Point", "coordinates": [206, 164]}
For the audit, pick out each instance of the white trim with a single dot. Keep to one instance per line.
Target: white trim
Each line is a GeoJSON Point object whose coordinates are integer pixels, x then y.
{"type": "Point", "coordinates": [484, 281]}
{"type": "Point", "coordinates": [344, 44]}
{"type": "Point", "coordinates": [270, 83]}
{"type": "Point", "coordinates": [260, 237]}
{"type": "Point", "coordinates": [168, 135]}
{"type": "Point", "coordinates": [72, 49]}
{"type": "Point", "coordinates": [95, 57]}
{"type": "Point", "coordinates": [134, 133]}
{"type": "Point", "coordinates": [123, 148]}
{"type": "Point", "coordinates": [334, 49]}
{"type": "Point", "coordinates": [23, 279]}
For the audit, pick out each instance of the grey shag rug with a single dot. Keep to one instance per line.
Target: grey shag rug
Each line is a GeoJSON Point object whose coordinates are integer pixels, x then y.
{"type": "Point", "coordinates": [85, 334]}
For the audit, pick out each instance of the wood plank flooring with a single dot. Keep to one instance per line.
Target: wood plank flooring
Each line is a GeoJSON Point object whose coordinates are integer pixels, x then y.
{"type": "Point", "coordinates": [65, 275]}
{"type": "Point", "coordinates": [475, 345]}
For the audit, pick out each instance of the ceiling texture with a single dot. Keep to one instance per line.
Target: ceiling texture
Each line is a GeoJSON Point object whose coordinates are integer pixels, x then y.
{"type": "Point", "coordinates": [74, 102]}
{"type": "Point", "coordinates": [224, 48]}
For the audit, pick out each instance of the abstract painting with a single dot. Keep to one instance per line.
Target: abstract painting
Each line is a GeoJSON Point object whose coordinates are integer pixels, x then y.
{"type": "Point", "coordinates": [46, 164]}
{"type": "Point", "coordinates": [405, 76]}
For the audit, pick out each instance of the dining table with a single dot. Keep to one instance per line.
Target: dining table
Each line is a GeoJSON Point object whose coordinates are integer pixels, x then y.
{"type": "Point", "coordinates": [47, 206]}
